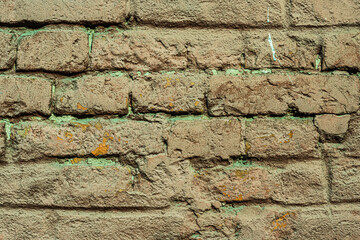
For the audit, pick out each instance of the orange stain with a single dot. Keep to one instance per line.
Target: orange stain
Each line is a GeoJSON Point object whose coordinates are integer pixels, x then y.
{"type": "Point", "coordinates": [82, 126]}
{"type": "Point", "coordinates": [80, 107]}
{"type": "Point", "coordinates": [59, 139]}
{"type": "Point", "coordinates": [69, 135]}
{"type": "Point", "coordinates": [98, 126]}
{"type": "Point", "coordinates": [76, 160]}
{"type": "Point", "coordinates": [196, 103]}
{"type": "Point", "coordinates": [61, 99]}
{"type": "Point", "coordinates": [101, 149]}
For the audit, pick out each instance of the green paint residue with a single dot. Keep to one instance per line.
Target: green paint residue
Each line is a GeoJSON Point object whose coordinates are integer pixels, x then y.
{"type": "Point", "coordinates": [189, 118]}
{"type": "Point", "coordinates": [233, 72]}
{"type": "Point", "coordinates": [91, 39]}
{"type": "Point", "coordinates": [8, 126]}
{"type": "Point", "coordinates": [91, 162]}
{"type": "Point", "coordinates": [317, 62]}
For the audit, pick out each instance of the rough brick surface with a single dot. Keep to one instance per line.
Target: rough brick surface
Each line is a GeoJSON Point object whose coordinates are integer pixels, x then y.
{"type": "Point", "coordinates": [179, 93]}
{"type": "Point", "coordinates": [206, 139]}
{"type": "Point", "coordinates": [24, 95]}
{"type": "Point", "coordinates": [2, 138]}
{"type": "Point", "coordinates": [91, 95]}
{"type": "Point", "coordinates": [7, 50]}
{"type": "Point", "coordinates": [342, 51]}
{"type": "Point", "coordinates": [31, 140]}
{"type": "Point", "coordinates": [209, 13]}
{"type": "Point", "coordinates": [57, 50]}
{"type": "Point", "coordinates": [281, 138]}
{"type": "Point", "coordinates": [276, 94]}
{"type": "Point", "coordinates": [352, 141]}
{"type": "Point", "coordinates": [322, 13]}
{"type": "Point", "coordinates": [332, 126]}
{"type": "Point", "coordinates": [54, 11]}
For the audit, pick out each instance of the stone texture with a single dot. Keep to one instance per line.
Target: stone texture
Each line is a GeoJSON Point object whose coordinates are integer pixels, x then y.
{"type": "Point", "coordinates": [56, 224]}
{"type": "Point", "coordinates": [32, 140]}
{"type": "Point", "coordinates": [57, 11]}
{"type": "Point", "coordinates": [7, 49]}
{"type": "Point", "coordinates": [276, 94]}
{"type": "Point", "coordinates": [345, 181]}
{"type": "Point", "coordinates": [342, 51]}
{"type": "Point", "coordinates": [2, 138]}
{"type": "Point", "coordinates": [332, 126]}
{"type": "Point", "coordinates": [325, 12]}
{"type": "Point", "coordinates": [24, 95]}
{"type": "Point", "coordinates": [281, 138]}
{"type": "Point", "coordinates": [214, 139]}
{"type": "Point", "coordinates": [209, 13]}
{"type": "Point", "coordinates": [171, 93]}
{"type": "Point", "coordinates": [88, 95]}
{"type": "Point", "coordinates": [297, 183]}
{"type": "Point", "coordinates": [87, 183]}
{"type": "Point", "coordinates": [352, 140]}
{"type": "Point", "coordinates": [55, 50]}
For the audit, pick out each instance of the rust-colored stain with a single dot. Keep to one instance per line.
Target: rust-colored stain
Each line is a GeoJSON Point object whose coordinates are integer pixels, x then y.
{"type": "Point", "coordinates": [231, 197]}
{"type": "Point", "coordinates": [61, 99]}
{"type": "Point", "coordinates": [196, 103]}
{"type": "Point", "coordinates": [77, 160]}
{"type": "Point", "coordinates": [291, 134]}
{"type": "Point", "coordinates": [242, 173]}
{"type": "Point", "coordinates": [282, 221]}
{"type": "Point", "coordinates": [59, 138]}
{"type": "Point", "coordinates": [69, 136]}
{"type": "Point", "coordinates": [98, 126]}
{"type": "Point", "coordinates": [80, 107]}
{"type": "Point", "coordinates": [102, 149]}
{"type": "Point", "coordinates": [82, 126]}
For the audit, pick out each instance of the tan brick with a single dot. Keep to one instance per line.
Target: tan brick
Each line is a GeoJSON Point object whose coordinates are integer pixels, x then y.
{"type": "Point", "coordinates": [275, 94]}
{"type": "Point", "coordinates": [345, 181]}
{"type": "Point", "coordinates": [291, 50]}
{"type": "Point", "coordinates": [352, 140]}
{"type": "Point", "coordinates": [332, 127]}
{"type": "Point", "coordinates": [172, 93]}
{"type": "Point", "coordinates": [102, 94]}
{"type": "Point", "coordinates": [210, 13]}
{"type": "Point", "coordinates": [342, 51]}
{"type": "Point", "coordinates": [87, 183]}
{"type": "Point", "coordinates": [31, 140]}
{"type": "Point", "coordinates": [24, 95]}
{"type": "Point", "coordinates": [297, 183]}
{"type": "Point", "coordinates": [55, 11]}
{"type": "Point", "coordinates": [279, 138]}
{"type": "Point", "coordinates": [2, 138]}
{"type": "Point", "coordinates": [325, 12]}
{"type": "Point", "coordinates": [213, 139]}
{"type": "Point", "coordinates": [58, 50]}
{"type": "Point", "coordinates": [7, 49]}
{"type": "Point", "coordinates": [56, 224]}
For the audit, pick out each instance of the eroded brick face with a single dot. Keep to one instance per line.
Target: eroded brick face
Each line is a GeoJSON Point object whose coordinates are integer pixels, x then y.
{"type": "Point", "coordinates": [151, 120]}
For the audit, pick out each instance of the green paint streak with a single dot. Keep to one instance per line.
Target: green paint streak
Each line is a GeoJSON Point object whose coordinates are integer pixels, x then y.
{"type": "Point", "coordinates": [91, 39]}
{"type": "Point", "coordinates": [261, 72]}
{"type": "Point", "coordinates": [317, 61]}
{"type": "Point", "coordinates": [62, 119]}
{"type": "Point", "coordinates": [92, 162]}
{"type": "Point", "coordinates": [189, 118]}
{"type": "Point", "coordinates": [233, 72]}
{"type": "Point", "coordinates": [8, 126]}
{"type": "Point", "coordinates": [214, 72]}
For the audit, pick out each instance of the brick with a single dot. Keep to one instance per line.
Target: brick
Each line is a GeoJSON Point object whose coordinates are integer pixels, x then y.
{"type": "Point", "coordinates": [345, 181]}
{"type": "Point", "coordinates": [214, 13]}
{"type": "Point", "coordinates": [297, 183]}
{"type": "Point", "coordinates": [332, 126]}
{"type": "Point", "coordinates": [171, 93]}
{"type": "Point", "coordinates": [292, 50]}
{"type": "Point", "coordinates": [325, 13]}
{"type": "Point", "coordinates": [88, 95]}
{"type": "Point", "coordinates": [56, 50]}
{"type": "Point", "coordinates": [279, 138]}
{"type": "Point", "coordinates": [24, 95]}
{"type": "Point", "coordinates": [276, 94]}
{"type": "Point", "coordinates": [214, 139]}
{"type": "Point", "coordinates": [86, 183]}
{"type": "Point", "coordinates": [56, 224]}
{"type": "Point", "coordinates": [33, 140]}
{"type": "Point", "coordinates": [7, 49]}
{"type": "Point", "coordinates": [56, 11]}
{"type": "Point", "coordinates": [2, 138]}
{"type": "Point", "coordinates": [352, 140]}
{"type": "Point", "coordinates": [342, 51]}
{"type": "Point", "coordinates": [280, 223]}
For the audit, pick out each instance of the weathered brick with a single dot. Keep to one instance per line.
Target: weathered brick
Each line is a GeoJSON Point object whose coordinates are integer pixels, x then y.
{"type": "Point", "coordinates": [352, 140]}
{"type": "Point", "coordinates": [297, 183]}
{"type": "Point", "coordinates": [325, 12]}
{"type": "Point", "coordinates": [58, 50]}
{"type": "Point", "coordinates": [103, 94]}
{"type": "Point", "coordinates": [213, 139]}
{"type": "Point", "coordinates": [276, 94]}
{"type": "Point", "coordinates": [172, 93]}
{"type": "Point", "coordinates": [87, 183]}
{"type": "Point", "coordinates": [2, 138]}
{"type": "Point", "coordinates": [210, 13]}
{"type": "Point", "coordinates": [55, 224]}
{"type": "Point", "coordinates": [55, 11]}
{"type": "Point", "coordinates": [342, 51]}
{"type": "Point", "coordinates": [345, 181]}
{"type": "Point", "coordinates": [332, 127]}
{"type": "Point", "coordinates": [7, 49]}
{"type": "Point", "coordinates": [278, 138]}
{"type": "Point", "coordinates": [31, 140]}
{"type": "Point", "coordinates": [274, 222]}
{"type": "Point", "coordinates": [24, 95]}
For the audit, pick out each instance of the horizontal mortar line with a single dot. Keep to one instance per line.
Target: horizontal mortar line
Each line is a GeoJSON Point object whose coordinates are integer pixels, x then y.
{"type": "Point", "coordinates": [85, 209]}
{"type": "Point", "coordinates": [271, 202]}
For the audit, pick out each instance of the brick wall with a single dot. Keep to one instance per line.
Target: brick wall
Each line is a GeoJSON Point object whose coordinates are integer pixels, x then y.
{"type": "Point", "coordinates": [219, 119]}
